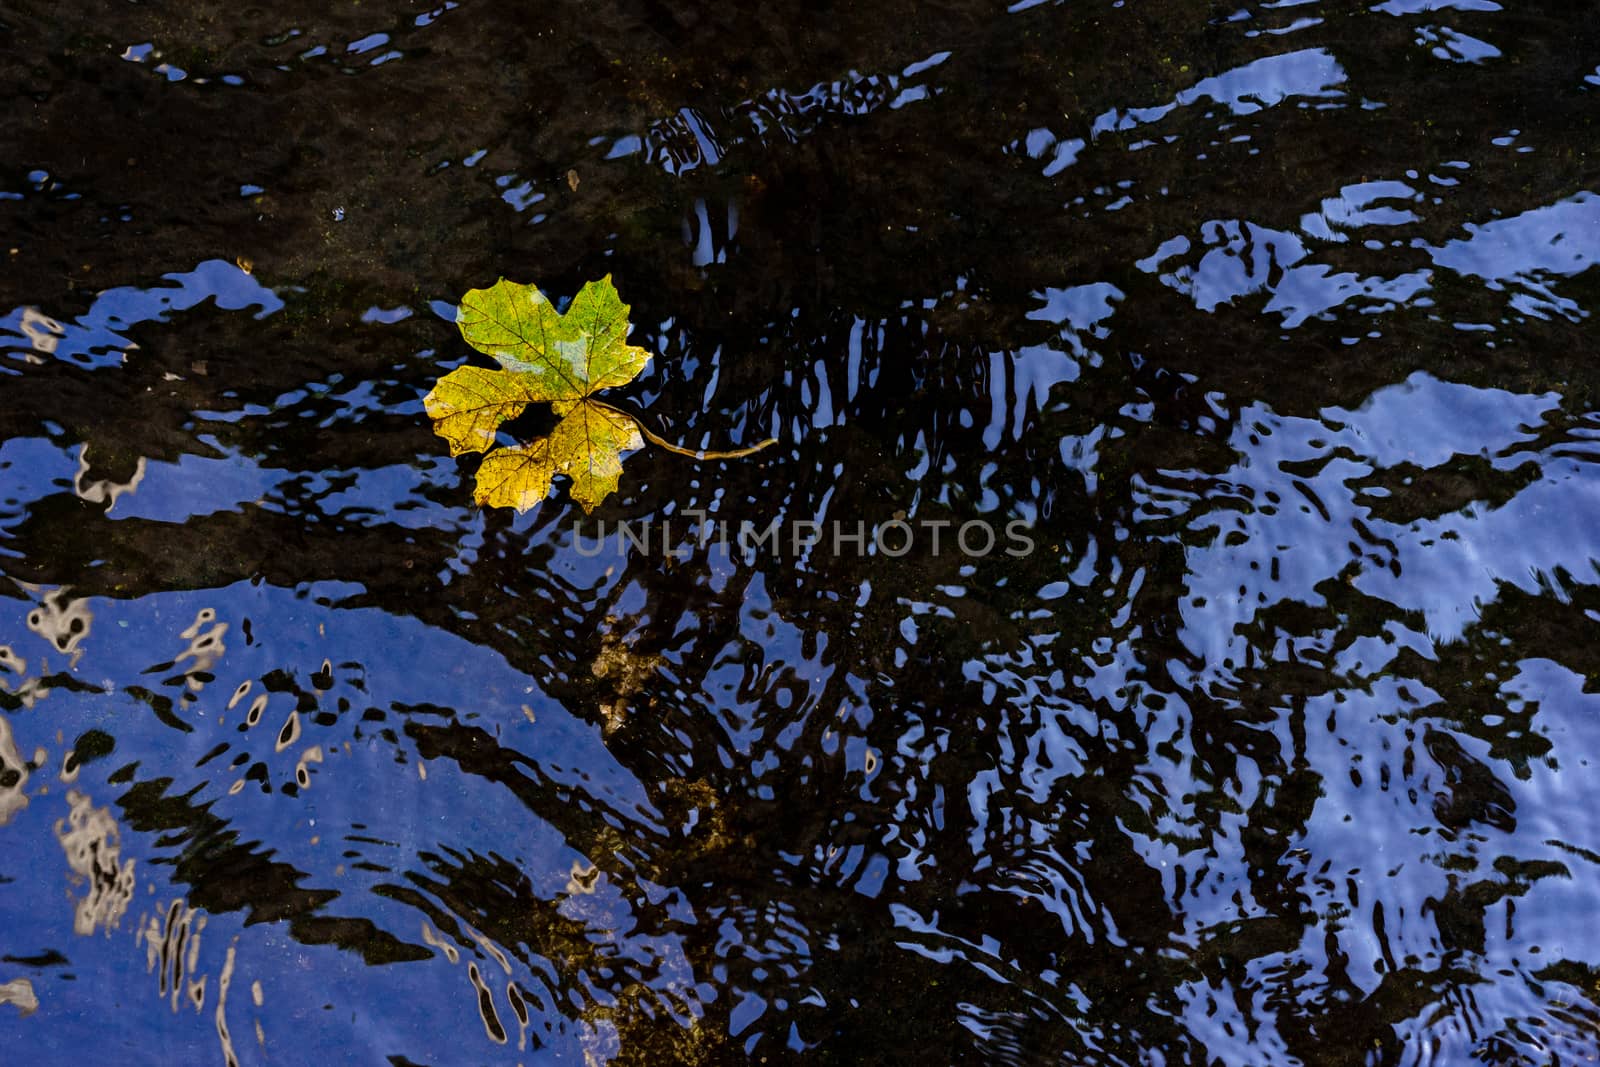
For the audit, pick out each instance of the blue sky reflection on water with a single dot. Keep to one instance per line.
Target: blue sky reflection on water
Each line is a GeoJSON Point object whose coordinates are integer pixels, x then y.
{"type": "Point", "coordinates": [296, 631]}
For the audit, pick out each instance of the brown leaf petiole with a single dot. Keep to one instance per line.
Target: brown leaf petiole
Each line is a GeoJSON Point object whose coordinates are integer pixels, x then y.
{"type": "Point", "coordinates": [655, 439]}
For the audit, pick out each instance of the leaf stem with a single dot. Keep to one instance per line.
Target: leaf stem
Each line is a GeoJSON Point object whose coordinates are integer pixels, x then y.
{"type": "Point", "coordinates": [656, 439]}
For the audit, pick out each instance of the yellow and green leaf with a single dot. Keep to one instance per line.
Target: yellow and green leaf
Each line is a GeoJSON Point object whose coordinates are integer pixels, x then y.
{"type": "Point", "coordinates": [586, 446]}
{"type": "Point", "coordinates": [547, 357]}
{"type": "Point", "coordinates": [551, 357]}
{"type": "Point", "coordinates": [570, 355]}
{"type": "Point", "coordinates": [469, 404]}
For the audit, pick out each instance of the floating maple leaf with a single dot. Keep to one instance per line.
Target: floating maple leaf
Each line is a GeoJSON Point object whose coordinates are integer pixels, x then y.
{"type": "Point", "coordinates": [547, 357]}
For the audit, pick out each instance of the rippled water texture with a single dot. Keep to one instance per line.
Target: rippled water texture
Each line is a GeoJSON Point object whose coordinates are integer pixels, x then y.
{"type": "Point", "coordinates": [1271, 323]}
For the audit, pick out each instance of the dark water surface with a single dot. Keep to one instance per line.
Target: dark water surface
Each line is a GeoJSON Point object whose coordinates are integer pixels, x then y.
{"type": "Point", "coordinates": [1271, 322]}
